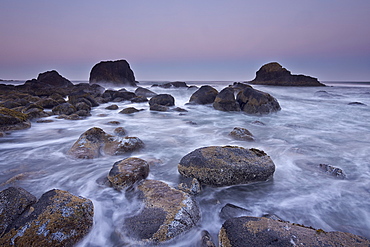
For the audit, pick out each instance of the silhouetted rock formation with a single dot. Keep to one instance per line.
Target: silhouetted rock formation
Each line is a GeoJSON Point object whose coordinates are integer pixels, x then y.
{"type": "Point", "coordinates": [116, 72]}
{"type": "Point", "coordinates": [274, 74]}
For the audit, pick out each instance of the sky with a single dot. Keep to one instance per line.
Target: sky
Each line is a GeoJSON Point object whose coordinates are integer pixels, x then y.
{"type": "Point", "coordinates": [167, 40]}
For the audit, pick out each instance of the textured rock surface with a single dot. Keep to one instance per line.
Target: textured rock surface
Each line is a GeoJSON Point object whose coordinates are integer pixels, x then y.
{"type": "Point", "coordinates": [13, 120]}
{"type": "Point", "coordinates": [262, 232]}
{"type": "Point", "coordinates": [163, 100]}
{"type": "Point", "coordinates": [140, 91]}
{"type": "Point", "coordinates": [333, 171]}
{"type": "Point", "coordinates": [53, 78]}
{"type": "Point", "coordinates": [256, 102]}
{"type": "Point", "coordinates": [221, 166]}
{"type": "Point", "coordinates": [225, 100]}
{"type": "Point", "coordinates": [167, 213]}
{"type": "Point", "coordinates": [275, 74]}
{"type": "Point", "coordinates": [57, 219]}
{"type": "Point", "coordinates": [204, 95]}
{"type": "Point", "coordinates": [117, 72]}
{"type": "Point", "coordinates": [241, 134]}
{"type": "Point", "coordinates": [125, 173]}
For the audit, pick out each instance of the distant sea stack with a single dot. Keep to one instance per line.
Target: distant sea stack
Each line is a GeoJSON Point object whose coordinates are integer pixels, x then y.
{"type": "Point", "coordinates": [274, 74]}
{"type": "Point", "coordinates": [116, 72]}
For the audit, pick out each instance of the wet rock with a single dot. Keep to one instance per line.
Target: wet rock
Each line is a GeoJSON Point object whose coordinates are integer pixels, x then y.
{"type": "Point", "coordinates": [204, 95]}
{"type": "Point", "coordinates": [157, 107]}
{"type": "Point", "coordinates": [47, 103]}
{"type": "Point", "coordinates": [125, 173]}
{"type": "Point", "coordinates": [95, 142]}
{"type": "Point", "coordinates": [179, 109]}
{"type": "Point", "coordinates": [241, 134]}
{"type": "Point", "coordinates": [129, 110]}
{"type": "Point", "coordinates": [140, 91]}
{"type": "Point", "coordinates": [333, 171]}
{"type": "Point", "coordinates": [163, 100]}
{"type": "Point", "coordinates": [116, 72]}
{"type": "Point", "coordinates": [54, 79]}
{"type": "Point", "coordinates": [167, 213]}
{"type": "Point", "coordinates": [206, 240]}
{"type": "Point", "coordinates": [231, 211]}
{"type": "Point", "coordinates": [256, 102]}
{"type": "Point", "coordinates": [13, 120]}
{"type": "Point", "coordinates": [175, 84]}
{"type": "Point", "coordinates": [119, 131]}
{"type": "Point", "coordinates": [357, 103]}
{"type": "Point", "coordinates": [112, 107]}
{"type": "Point", "coordinates": [228, 165]}
{"type": "Point", "coordinates": [82, 106]}
{"type": "Point", "coordinates": [57, 219]}
{"type": "Point", "coordinates": [33, 113]}
{"type": "Point", "coordinates": [65, 108]}
{"type": "Point", "coordinates": [193, 187]}
{"type": "Point", "coordinates": [238, 86]}
{"type": "Point", "coordinates": [225, 100]}
{"type": "Point", "coordinates": [261, 232]}
{"type": "Point", "coordinates": [274, 74]}
{"type": "Point", "coordinates": [13, 202]}
{"type": "Point", "coordinates": [139, 99]}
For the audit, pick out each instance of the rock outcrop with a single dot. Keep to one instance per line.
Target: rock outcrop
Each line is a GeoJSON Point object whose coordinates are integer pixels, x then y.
{"type": "Point", "coordinates": [204, 95]}
{"type": "Point", "coordinates": [54, 79]}
{"type": "Point", "coordinates": [256, 102]}
{"type": "Point", "coordinates": [58, 218]}
{"type": "Point", "coordinates": [261, 232]}
{"type": "Point", "coordinates": [274, 74]}
{"type": "Point", "coordinates": [116, 72]}
{"type": "Point", "coordinates": [167, 213]}
{"type": "Point", "coordinates": [228, 165]}
{"type": "Point", "coordinates": [13, 120]}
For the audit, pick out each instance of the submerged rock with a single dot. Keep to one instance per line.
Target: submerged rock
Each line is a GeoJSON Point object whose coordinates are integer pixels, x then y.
{"type": "Point", "coordinates": [116, 72]}
{"type": "Point", "coordinates": [241, 134]}
{"type": "Point", "coordinates": [228, 165]}
{"type": "Point", "coordinates": [167, 213]}
{"type": "Point", "coordinates": [274, 74]}
{"type": "Point", "coordinates": [256, 102]}
{"type": "Point", "coordinates": [57, 219]}
{"type": "Point", "coordinates": [204, 95]}
{"type": "Point", "coordinates": [334, 171]}
{"type": "Point", "coordinates": [262, 232]}
{"type": "Point", "coordinates": [13, 120]}
{"type": "Point", "coordinates": [129, 110]}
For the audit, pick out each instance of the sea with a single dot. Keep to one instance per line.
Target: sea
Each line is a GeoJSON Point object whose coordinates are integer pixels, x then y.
{"type": "Point", "coordinates": [316, 125]}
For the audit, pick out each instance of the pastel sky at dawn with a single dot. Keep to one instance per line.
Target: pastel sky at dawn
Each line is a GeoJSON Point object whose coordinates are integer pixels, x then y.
{"type": "Point", "coordinates": [186, 40]}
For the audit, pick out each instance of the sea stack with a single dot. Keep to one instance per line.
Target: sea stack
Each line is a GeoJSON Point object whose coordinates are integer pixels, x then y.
{"type": "Point", "coordinates": [115, 72]}
{"type": "Point", "coordinates": [274, 74]}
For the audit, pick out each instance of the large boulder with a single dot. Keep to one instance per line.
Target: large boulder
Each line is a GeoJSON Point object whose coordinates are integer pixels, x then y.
{"type": "Point", "coordinates": [13, 120]}
{"type": "Point", "coordinates": [274, 74]}
{"type": "Point", "coordinates": [204, 95]}
{"type": "Point", "coordinates": [125, 173]}
{"type": "Point", "coordinates": [162, 99]}
{"type": "Point", "coordinates": [256, 102]}
{"type": "Point", "coordinates": [261, 232]}
{"type": "Point", "coordinates": [54, 79]}
{"type": "Point", "coordinates": [57, 219]}
{"type": "Point", "coordinates": [227, 165]}
{"type": "Point", "coordinates": [95, 142]}
{"type": "Point", "coordinates": [225, 100]}
{"type": "Point", "coordinates": [167, 213]}
{"type": "Point", "coordinates": [140, 91]}
{"type": "Point", "coordinates": [116, 72]}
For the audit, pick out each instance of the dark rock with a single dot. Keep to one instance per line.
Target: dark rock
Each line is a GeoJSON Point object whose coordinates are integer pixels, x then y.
{"type": "Point", "coordinates": [116, 72]}
{"type": "Point", "coordinates": [334, 171]}
{"type": "Point", "coordinates": [206, 240]}
{"type": "Point", "coordinates": [261, 232]}
{"type": "Point", "coordinates": [129, 110]}
{"type": "Point", "coordinates": [225, 100]}
{"type": "Point", "coordinates": [231, 211]}
{"type": "Point", "coordinates": [58, 98]}
{"type": "Point", "coordinates": [119, 131]}
{"type": "Point", "coordinates": [238, 86]}
{"type": "Point", "coordinates": [47, 103]}
{"type": "Point", "coordinates": [162, 99]}
{"type": "Point", "coordinates": [33, 113]}
{"type": "Point", "coordinates": [53, 78]}
{"type": "Point", "coordinates": [241, 134]}
{"type": "Point", "coordinates": [125, 173]}
{"type": "Point", "coordinates": [176, 84]}
{"type": "Point", "coordinates": [157, 107]}
{"type": "Point", "coordinates": [228, 165]}
{"type": "Point", "coordinates": [82, 106]}
{"type": "Point", "coordinates": [253, 101]}
{"type": "Point", "coordinates": [357, 103]}
{"type": "Point", "coordinates": [94, 90]}
{"type": "Point", "coordinates": [139, 99]}
{"type": "Point", "coordinates": [127, 144]}
{"type": "Point", "coordinates": [13, 202]}
{"type": "Point", "coordinates": [13, 120]}
{"type": "Point", "coordinates": [57, 219]}
{"type": "Point", "coordinates": [167, 213]}
{"type": "Point", "coordinates": [140, 91]}
{"type": "Point", "coordinates": [204, 95]}
{"type": "Point", "coordinates": [112, 107]}
{"type": "Point", "coordinates": [65, 108]}
{"type": "Point", "coordinates": [274, 74]}
{"type": "Point", "coordinates": [179, 109]}
{"type": "Point", "coordinates": [82, 96]}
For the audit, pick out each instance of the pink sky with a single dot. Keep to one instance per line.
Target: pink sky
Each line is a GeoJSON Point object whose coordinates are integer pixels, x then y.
{"type": "Point", "coordinates": [186, 40]}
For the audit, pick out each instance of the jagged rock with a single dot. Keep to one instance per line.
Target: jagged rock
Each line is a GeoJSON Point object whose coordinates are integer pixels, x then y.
{"type": "Point", "coordinates": [125, 173]}
{"type": "Point", "coordinates": [13, 202]}
{"type": "Point", "coordinates": [140, 91]}
{"type": "Point", "coordinates": [261, 232]}
{"type": "Point", "coordinates": [65, 108]}
{"type": "Point", "coordinates": [95, 142]}
{"type": "Point", "coordinates": [334, 171]}
{"type": "Point", "coordinates": [162, 99]}
{"type": "Point", "coordinates": [225, 100]}
{"type": "Point", "coordinates": [167, 213]}
{"type": "Point", "coordinates": [274, 74]}
{"type": "Point", "coordinates": [53, 78]}
{"type": "Point", "coordinates": [231, 211]}
{"type": "Point", "coordinates": [256, 102]}
{"type": "Point", "coordinates": [13, 120]}
{"type": "Point", "coordinates": [57, 219]}
{"type": "Point", "coordinates": [204, 95]}
{"type": "Point", "coordinates": [116, 72]}
{"type": "Point", "coordinates": [241, 134]}
{"type": "Point", "coordinates": [228, 165]}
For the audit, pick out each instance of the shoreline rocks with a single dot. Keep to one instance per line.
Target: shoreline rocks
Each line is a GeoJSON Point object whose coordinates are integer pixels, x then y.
{"type": "Point", "coordinates": [116, 72]}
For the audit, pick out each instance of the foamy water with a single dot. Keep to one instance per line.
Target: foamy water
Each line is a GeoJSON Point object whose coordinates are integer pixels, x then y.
{"type": "Point", "coordinates": [315, 126]}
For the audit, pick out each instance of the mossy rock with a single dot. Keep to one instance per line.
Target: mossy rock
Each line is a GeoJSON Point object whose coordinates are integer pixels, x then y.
{"type": "Point", "coordinates": [13, 120]}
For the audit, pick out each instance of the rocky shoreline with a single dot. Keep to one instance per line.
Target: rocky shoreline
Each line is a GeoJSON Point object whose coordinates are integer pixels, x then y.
{"type": "Point", "coordinates": [59, 218]}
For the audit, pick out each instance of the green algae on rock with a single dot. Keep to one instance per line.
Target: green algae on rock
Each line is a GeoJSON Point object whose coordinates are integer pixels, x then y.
{"type": "Point", "coordinates": [13, 120]}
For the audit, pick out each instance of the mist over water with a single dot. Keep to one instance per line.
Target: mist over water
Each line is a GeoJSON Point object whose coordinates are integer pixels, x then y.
{"type": "Point", "coordinates": [316, 125]}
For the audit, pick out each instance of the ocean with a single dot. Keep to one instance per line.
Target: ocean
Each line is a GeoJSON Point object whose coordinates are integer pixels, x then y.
{"type": "Point", "coordinates": [316, 125]}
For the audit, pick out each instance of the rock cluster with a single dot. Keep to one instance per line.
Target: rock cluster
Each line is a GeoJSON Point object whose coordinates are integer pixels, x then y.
{"type": "Point", "coordinates": [58, 218]}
